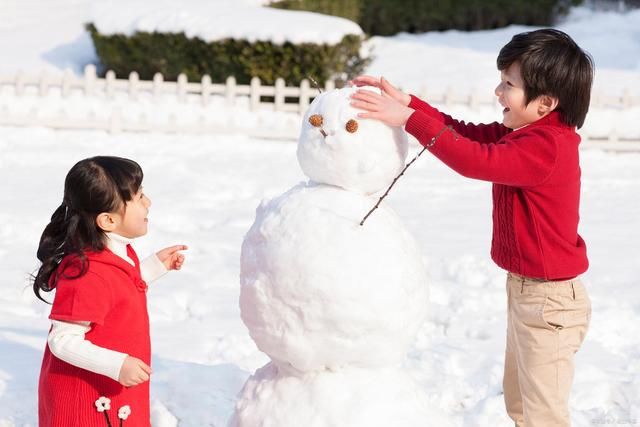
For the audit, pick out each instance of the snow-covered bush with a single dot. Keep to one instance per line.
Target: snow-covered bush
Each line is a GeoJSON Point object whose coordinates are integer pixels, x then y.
{"type": "Point", "coordinates": [387, 17]}
{"type": "Point", "coordinates": [237, 40]}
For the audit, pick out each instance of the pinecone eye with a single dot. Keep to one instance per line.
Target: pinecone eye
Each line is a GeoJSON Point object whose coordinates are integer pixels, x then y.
{"type": "Point", "coordinates": [351, 126]}
{"type": "Point", "coordinates": [316, 120]}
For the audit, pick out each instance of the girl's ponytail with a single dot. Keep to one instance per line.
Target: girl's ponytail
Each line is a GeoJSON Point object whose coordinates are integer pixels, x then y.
{"type": "Point", "coordinates": [50, 250]}
{"type": "Point", "coordinates": [92, 186]}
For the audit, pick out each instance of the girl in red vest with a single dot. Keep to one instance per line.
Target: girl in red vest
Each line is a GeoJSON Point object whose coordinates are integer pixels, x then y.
{"type": "Point", "coordinates": [95, 370]}
{"type": "Point", "coordinates": [533, 162]}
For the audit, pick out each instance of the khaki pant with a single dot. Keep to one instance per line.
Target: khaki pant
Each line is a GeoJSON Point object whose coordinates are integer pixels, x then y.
{"type": "Point", "coordinates": [546, 324]}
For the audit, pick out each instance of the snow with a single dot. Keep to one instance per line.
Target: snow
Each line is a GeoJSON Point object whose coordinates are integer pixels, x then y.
{"type": "Point", "coordinates": [349, 397]}
{"type": "Point", "coordinates": [334, 302]}
{"type": "Point", "coordinates": [205, 189]}
{"type": "Point", "coordinates": [212, 21]}
{"type": "Point", "coordinates": [364, 160]}
{"type": "Point", "coordinates": [321, 292]}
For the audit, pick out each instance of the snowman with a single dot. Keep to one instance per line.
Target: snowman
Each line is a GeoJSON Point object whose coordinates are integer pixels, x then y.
{"type": "Point", "coordinates": [335, 305]}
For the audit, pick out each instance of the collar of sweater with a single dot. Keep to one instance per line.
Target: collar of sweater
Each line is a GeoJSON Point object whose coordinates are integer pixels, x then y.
{"type": "Point", "coordinates": [118, 245]}
{"type": "Point", "coordinates": [554, 118]}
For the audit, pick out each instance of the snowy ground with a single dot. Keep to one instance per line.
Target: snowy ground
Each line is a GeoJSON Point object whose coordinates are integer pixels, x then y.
{"type": "Point", "coordinates": [205, 190]}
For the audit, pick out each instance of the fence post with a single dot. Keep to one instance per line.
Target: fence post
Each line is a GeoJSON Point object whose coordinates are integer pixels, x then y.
{"type": "Point", "coordinates": [627, 99]}
{"type": "Point", "coordinates": [329, 85]}
{"type": "Point", "coordinates": [230, 90]}
{"type": "Point", "coordinates": [19, 83]}
{"type": "Point", "coordinates": [43, 84]}
{"type": "Point", "coordinates": [205, 88]}
{"type": "Point", "coordinates": [474, 99]}
{"type": "Point", "coordinates": [67, 81]}
{"type": "Point", "coordinates": [90, 77]}
{"type": "Point", "coordinates": [182, 87]}
{"type": "Point", "coordinates": [279, 96]}
{"type": "Point", "coordinates": [303, 101]}
{"type": "Point", "coordinates": [254, 94]}
{"type": "Point", "coordinates": [157, 86]}
{"type": "Point", "coordinates": [449, 97]}
{"type": "Point", "coordinates": [134, 80]}
{"type": "Point", "coordinates": [110, 83]}
{"type": "Point", "coordinates": [422, 94]}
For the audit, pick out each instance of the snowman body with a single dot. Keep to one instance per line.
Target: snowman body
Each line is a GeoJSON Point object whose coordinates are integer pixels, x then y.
{"type": "Point", "coordinates": [335, 305]}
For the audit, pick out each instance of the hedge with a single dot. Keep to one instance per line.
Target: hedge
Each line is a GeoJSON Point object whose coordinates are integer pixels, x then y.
{"type": "Point", "coordinates": [387, 17]}
{"type": "Point", "coordinates": [175, 53]}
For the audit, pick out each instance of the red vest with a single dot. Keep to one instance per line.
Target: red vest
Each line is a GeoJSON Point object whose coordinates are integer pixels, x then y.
{"type": "Point", "coordinates": [535, 172]}
{"type": "Point", "coordinates": [112, 296]}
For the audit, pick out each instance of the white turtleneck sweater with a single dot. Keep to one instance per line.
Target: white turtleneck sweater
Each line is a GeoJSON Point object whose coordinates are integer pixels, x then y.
{"type": "Point", "coordinates": [67, 339]}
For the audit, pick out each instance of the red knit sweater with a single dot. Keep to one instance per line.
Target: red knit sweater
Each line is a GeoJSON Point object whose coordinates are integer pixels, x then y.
{"type": "Point", "coordinates": [111, 295]}
{"type": "Point", "coordinates": [535, 173]}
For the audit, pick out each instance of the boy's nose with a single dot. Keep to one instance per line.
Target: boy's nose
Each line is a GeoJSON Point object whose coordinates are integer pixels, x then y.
{"type": "Point", "coordinates": [497, 90]}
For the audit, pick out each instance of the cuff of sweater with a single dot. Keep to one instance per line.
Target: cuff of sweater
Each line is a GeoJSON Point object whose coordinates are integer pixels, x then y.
{"type": "Point", "coordinates": [423, 127]}
{"type": "Point", "coordinates": [151, 268]}
{"type": "Point", "coordinates": [415, 102]}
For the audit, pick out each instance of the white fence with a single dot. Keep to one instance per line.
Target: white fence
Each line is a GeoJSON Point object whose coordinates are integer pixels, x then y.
{"type": "Point", "coordinates": [199, 96]}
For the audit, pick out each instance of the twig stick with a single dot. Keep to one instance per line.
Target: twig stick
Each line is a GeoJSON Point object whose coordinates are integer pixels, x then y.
{"type": "Point", "coordinates": [315, 83]}
{"type": "Point", "coordinates": [430, 144]}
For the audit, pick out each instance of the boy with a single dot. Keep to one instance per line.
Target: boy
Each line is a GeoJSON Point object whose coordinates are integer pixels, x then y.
{"type": "Point", "coordinates": [532, 160]}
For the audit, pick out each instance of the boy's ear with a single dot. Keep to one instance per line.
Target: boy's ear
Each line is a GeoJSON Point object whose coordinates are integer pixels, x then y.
{"type": "Point", "coordinates": [547, 104]}
{"type": "Point", "coordinates": [106, 221]}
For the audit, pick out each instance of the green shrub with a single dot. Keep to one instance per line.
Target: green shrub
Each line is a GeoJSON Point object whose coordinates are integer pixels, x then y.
{"type": "Point", "coordinates": [175, 53]}
{"type": "Point", "coordinates": [387, 17]}
{"type": "Point", "coordinates": [349, 9]}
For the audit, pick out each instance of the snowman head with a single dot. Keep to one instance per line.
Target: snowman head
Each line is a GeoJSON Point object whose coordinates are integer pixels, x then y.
{"type": "Point", "coordinates": [338, 148]}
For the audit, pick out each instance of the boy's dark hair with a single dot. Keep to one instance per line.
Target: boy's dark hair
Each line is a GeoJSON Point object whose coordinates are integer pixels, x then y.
{"type": "Point", "coordinates": [92, 186]}
{"type": "Point", "coordinates": [552, 64]}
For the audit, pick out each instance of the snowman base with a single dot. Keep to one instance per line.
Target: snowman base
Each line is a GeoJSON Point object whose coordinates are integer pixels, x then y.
{"type": "Point", "coordinates": [348, 397]}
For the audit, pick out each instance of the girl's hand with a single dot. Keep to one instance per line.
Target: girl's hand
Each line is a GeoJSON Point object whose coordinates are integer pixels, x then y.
{"type": "Point", "coordinates": [381, 107]}
{"type": "Point", "coordinates": [133, 372]}
{"type": "Point", "coordinates": [384, 85]}
{"type": "Point", "coordinates": [171, 258]}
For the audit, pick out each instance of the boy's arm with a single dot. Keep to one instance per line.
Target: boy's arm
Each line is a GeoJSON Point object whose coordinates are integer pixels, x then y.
{"type": "Point", "coordinates": [526, 159]}
{"type": "Point", "coordinates": [483, 133]}
{"type": "Point", "coordinates": [67, 342]}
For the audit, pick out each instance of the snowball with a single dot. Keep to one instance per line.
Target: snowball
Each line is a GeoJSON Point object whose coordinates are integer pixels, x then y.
{"type": "Point", "coordinates": [349, 397]}
{"type": "Point", "coordinates": [319, 291]}
{"type": "Point", "coordinates": [365, 161]}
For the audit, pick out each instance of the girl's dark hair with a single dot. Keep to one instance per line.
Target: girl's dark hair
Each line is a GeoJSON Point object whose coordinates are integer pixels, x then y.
{"type": "Point", "coordinates": [552, 64]}
{"type": "Point", "coordinates": [92, 186]}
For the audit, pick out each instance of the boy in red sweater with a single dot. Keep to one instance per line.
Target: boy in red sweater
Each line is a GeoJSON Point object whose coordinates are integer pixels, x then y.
{"type": "Point", "coordinates": [532, 160]}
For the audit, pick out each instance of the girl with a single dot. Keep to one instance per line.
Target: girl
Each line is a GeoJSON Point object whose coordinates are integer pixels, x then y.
{"type": "Point", "coordinates": [98, 345]}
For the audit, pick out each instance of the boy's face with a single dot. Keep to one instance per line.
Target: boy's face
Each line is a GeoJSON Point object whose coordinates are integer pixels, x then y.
{"type": "Point", "coordinates": [510, 93]}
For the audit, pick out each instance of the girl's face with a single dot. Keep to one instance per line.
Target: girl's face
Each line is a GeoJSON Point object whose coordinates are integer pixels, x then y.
{"type": "Point", "coordinates": [132, 222]}
{"type": "Point", "coordinates": [510, 93]}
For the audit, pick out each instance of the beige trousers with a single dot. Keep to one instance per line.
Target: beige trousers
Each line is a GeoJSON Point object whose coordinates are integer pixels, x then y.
{"type": "Point", "coordinates": [546, 324]}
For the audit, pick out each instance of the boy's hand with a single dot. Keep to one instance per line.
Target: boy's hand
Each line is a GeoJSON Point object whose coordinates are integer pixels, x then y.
{"type": "Point", "coordinates": [381, 107]}
{"type": "Point", "coordinates": [384, 85]}
{"type": "Point", "coordinates": [133, 372]}
{"type": "Point", "coordinates": [171, 258]}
